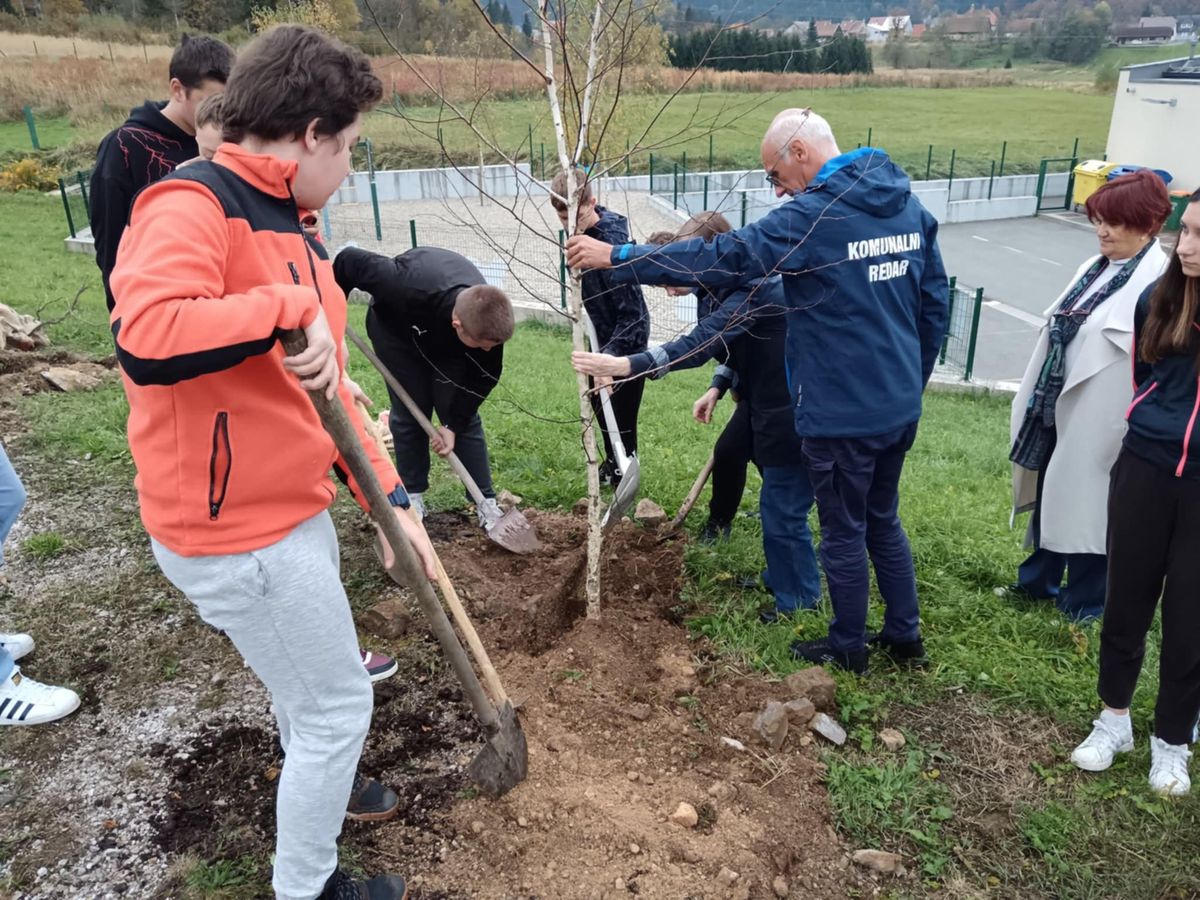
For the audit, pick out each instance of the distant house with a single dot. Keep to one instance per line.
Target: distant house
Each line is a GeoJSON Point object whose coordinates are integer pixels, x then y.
{"type": "Point", "coordinates": [972, 26]}
{"type": "Point", "coordinates": [1185, 26]}
{"type": "Point", "coordinates": [853, 28]}
{"type": "Point", "coordinates": [1159, 22]}
{"type": "Point", "coordinates": [825, 30]}
{"type": "Point", "coordinates": [1020, 27]}
{"type": "Point", "coordinates": [919, 30]}
{"type": "Point", "coordinates": [880, 28]}
{"type": "Point", "coordinates": [1135, 34]}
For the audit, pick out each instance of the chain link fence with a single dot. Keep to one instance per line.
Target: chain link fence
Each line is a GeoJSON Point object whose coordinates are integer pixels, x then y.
{"type": "Point", "coordinates": [962, 332]}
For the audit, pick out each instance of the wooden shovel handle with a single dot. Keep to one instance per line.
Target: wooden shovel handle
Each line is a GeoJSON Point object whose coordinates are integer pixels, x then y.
{"type": "Point", "coordinates": [693, 495]}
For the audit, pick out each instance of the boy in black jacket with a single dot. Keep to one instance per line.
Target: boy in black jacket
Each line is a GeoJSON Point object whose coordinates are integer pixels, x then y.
{"type": "Point", "coordinates": [155, 139]}
{"type": "Point", "coordinates": [618, 311]}
{"type": "Point", "coordinates": [438, 326]}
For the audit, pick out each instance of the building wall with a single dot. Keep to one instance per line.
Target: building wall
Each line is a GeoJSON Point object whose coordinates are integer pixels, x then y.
{"type": "Point", "coordinates": [1146, 130]}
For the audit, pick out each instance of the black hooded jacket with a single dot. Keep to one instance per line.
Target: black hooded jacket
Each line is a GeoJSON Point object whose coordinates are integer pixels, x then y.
{"type": "Point", "coordinates": [143, 150]}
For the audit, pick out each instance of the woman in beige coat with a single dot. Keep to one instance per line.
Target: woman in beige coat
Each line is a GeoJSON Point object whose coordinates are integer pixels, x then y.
{"type": "Point", "coordinates": [1068, 417]}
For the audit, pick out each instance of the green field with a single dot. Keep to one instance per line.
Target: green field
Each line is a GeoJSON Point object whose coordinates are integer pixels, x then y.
{"type": "Point", "coordinates": [973, 122]}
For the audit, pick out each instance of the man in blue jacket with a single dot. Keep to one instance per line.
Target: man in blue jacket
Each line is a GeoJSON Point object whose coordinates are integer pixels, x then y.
{"type": "Point", "coordinates": [868, 293]}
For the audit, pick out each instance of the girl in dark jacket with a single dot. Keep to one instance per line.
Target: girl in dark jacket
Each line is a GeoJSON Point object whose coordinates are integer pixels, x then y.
{"type": "Point", "coordinates": [1154, 529]}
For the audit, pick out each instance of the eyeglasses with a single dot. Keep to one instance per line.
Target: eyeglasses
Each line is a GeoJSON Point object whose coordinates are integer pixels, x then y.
{"type": "Point", "coordinates": [773, 180]}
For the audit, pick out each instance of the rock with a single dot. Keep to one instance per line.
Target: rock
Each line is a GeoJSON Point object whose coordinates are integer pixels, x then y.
{"type": "Point", "coordinates": [650, 513]}
{"type": "Point", "coordinates": [508, 500]}
{"type": "Point", "coordinates": [733, 744]}
{"type": "Point", "coordinates": [727, 876]}
{"type": "Point", "coordinates": [685, 814]}
{"type": "Point", "coordinates": [816, 684]}
{"type": "Point", "coordinates": [635, 849]}
{"type": "Point", "coordinates": [692, 855]}
{"type": "Point", "coordinates": [619, 883]}
{"type": "Point", "coordinates": [580, 507]}
{"type": "Point", "coordinates": [640, 711]}
{"type": "Point", "coordinates": [828, 729]}
{"type": "Point", "coordinates": [878, 860]}
{"type": "Point", "coordinates": [780, 886]}
{"type": "Point", "coordinates": [522, 821]}
{"type": "Point", "coordinates": [892, 739]}
{"type": "Point", "coordinates": [771, 725]}
{"type": "Point", "coordinates": [77, 377]}
{"type": "Point", "coordinates": [800, 711]}
{"type": "Point", "coordinates": [477, 827]}
{"type": "Point", "coordinates": [387, 619]}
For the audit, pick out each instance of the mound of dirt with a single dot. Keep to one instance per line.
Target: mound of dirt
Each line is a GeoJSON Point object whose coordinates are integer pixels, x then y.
{"type": "Point", "coordinates": [625, 716]}
{"type": "Point", "coordinates": [21, 372]}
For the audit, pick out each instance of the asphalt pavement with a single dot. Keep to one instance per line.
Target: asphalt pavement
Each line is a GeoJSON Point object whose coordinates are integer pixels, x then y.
{"type": "Point", "coordinates": [1023, 265]}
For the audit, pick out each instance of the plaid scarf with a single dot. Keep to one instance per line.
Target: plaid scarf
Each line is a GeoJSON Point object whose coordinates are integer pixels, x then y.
{"type": "Point", "coordinates": [1031, 449]}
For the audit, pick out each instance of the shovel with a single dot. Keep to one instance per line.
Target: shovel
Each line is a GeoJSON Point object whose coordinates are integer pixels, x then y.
{"type": "Point", "coordinates": [449, 594]}
{"type": "Point", "coordinates": [693, 495]}
{"type": "Point", "coordinates": [627, 466]}
{"type": "Point", "coordinates": [511, 530]}
{"type": "Point", "coordinates": [503, 763]}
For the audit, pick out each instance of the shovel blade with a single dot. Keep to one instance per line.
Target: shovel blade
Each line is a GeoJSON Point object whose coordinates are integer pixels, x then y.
{"type": "Point", "coordinates": [503, 763]}
{"type": "Point", "coordinates": [513, 532]}
{"type": "Point", "coordinates": [626, 493]}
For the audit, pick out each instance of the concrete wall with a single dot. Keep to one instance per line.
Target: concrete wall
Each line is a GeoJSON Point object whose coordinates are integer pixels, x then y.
{"type": "Point", "coordinates": [1156, 123]}
{"type": "Point", "coordinates": [434, 184]}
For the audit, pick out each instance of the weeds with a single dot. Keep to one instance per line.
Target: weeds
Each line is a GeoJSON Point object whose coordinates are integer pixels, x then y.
{"type": "Point", "coordinates": [43, 546]}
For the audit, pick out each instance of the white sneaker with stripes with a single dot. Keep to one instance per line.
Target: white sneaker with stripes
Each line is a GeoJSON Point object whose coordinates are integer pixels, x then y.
{"type": "Point", "coordinates": [16, 645]}
{"type": "Point", "coordinates": [24, 701]}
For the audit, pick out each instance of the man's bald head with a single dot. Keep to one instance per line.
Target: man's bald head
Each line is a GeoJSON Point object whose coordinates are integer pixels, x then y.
{"type": "Point", "coordinates": [796, 145]}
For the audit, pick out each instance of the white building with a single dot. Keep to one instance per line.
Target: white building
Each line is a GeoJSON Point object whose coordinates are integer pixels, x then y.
{"type": "Point", "coordinates": [1156, 120]}
{"type": "Point", "coordinates": [880, 28]}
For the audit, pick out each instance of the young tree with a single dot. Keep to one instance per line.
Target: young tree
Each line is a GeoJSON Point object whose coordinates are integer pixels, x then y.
{"type": "Point", "coordinates": [527, 27]}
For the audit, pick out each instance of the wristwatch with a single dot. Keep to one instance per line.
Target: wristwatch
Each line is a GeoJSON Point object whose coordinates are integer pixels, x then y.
{"type": "Point", "coordinates": [399, 497]}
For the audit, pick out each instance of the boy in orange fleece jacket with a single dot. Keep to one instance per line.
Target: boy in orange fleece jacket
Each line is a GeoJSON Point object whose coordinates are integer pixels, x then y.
{"type": "Point", "coordinates": [232, 461]}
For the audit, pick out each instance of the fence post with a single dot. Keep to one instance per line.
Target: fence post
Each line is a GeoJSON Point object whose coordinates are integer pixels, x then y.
{"type": "Point", "coordinates": [970, 367]}
{"type": "Point", "coordinates": [543, 161]}
{"type": "Point", "coordinates": [1075, 149]}
{"type": "Point", "coordinates": [76, 49]}
{"type": "Point", "coordinates": [991, 179]}
{"type": "Point", "coordinates": [675, 188]}
{"type": "Point", "coordinates": [743, 225]}
{"type": "Point", "coordinates": [412, 232]}
{"type": "Point", "coordinates": [374, 190]}
{"type": "Point", "coordinates": [683, 168]}
{"type": "Point", "coordinates": [929, 162]}
{"type": "Point", "coordinates": [1041, 185]}
{"type": "Point", "coordinates": [1003, 153]}
{"type": "Point", "coordinates": [706, 192]}
{"type": "Point", "coordinates": [531, 149]}
{"type": "Point", "coordinates": [145, 54]}
{"type": "Point", "coordinates": [949, 321]}
{"type": "Point", "coordinates": [651, 173]}
{"type": "Point", "coordinates": [562, 269]}
{"type": "Point", "coordinates": [112, 59]}
{"type": "Point", "coordinates": [326, 226]}
{"type": "Point", "coordinates": [32, 126]}
{"type": "Point", "coordinates": [36, 54]}
{"type": "Point", "coordinates": [87, 204]}
{"type": "Point", "coordinates": [870, 132]}
{"type": "Point", "coordinates": [710, 156]}
{"type": "Point", "coordinates": [950, 180]}
{"type": "Point", "coordinates": [628, 170]}
{"type": "Point", "coordinates": [62, 189]}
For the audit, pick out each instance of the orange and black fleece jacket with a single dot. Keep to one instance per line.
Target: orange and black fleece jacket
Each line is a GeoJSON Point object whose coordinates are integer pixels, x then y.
{"type": "Point", "coordinates": [214, 265]}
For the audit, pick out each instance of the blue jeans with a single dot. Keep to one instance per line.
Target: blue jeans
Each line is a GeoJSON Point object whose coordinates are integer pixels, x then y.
{"type": "Point", "coordinates": [792, 574]}
{"type": "Point", "coordinates": [12, 498]}
{"type": "Point", "coordinates": [857, 486]}
{"type": "Point", "coordinates": [1082, 596]}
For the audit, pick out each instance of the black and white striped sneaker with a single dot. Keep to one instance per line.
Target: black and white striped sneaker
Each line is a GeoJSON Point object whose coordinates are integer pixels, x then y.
{"type": "Point", "coordinates": [24, 701]}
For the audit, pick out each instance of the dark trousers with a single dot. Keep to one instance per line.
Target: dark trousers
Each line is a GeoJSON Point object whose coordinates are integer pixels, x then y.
{"type": "Point", "coordinates": [433, 386]}
{"type": "Point", "coordinates": [626, 399]}
{"type": "Point", "coordinates": [792, 574]}
{"type": "Point", "coordinates": [731, 456]}
{"type": "Point", "coordinates": [1153, 540]}
{"type": "Point", "coordinates": [856, 482]}
{"type": "Point", "coordinates": [1041, 575]}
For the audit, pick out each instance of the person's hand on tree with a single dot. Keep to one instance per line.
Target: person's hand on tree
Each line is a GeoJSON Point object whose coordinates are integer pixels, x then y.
{"type": "Point", "coordinates": [443, 441]}
{"type": "Point", "coordinates": [317, 366]}
{"type": "Point", "coordinates": [584, 252]}
{"type": "Point", "coordinates": [702, 409]}
{"type": "Point", "coordinates": [601, 365]}
{"type": "Point", "coordinates": [415, 532]}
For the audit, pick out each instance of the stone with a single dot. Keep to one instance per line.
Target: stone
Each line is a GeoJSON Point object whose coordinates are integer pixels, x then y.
{"type": "Point", "coordinates": [800, 711]}
{"type": "Point", "coordinates": [780, 886]}
{"type": "Point", "coordinates": [816, 684]}
{"type": "Point", "coordinates": [685, 814]}
{"type": "Point", "coordinates": [828, 729]}
{"type": "Point", "coordinates": [522, 821]}
{"type": "Point", "coordinates": [771, 725]}
{"type": "Point", "coordinates": [387, 619]}
{"type": "Point", "coordinates": [580, 507]}
{"type": "Point", "coordinates": [650, 513]}
{"type": "Point", "coordinates": [77, 377]}
{"type": "Point", "coordinates": [477, 827]}
{"type": "Point", "coordinates": [878, 861]}
{"type": "Point", "coordinates": [892, 739]}
{"type": "Point", "coordinates": [640, 711]}
{"type": "Point", "coordinates": [733, 744]}
{"type": "Point", "coordinates": [632, 775]}
{"type": "Point", "coordinates": [508, 500]}
{"type": "Point", "coordinates": [692, 855]}
{"type": "Point", "coordinates": [727, 876]}
{"type": "Point", "coordinates": [635, 849]}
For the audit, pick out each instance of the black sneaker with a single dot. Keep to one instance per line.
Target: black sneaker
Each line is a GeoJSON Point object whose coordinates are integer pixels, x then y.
{"type": "Point", "coordinates": [715, 531]}
{"type": "Point", "coordinates": [820, 653]}
{"type": "Point", "coordinates": [370, 801]}
{"type": "Point", "coordinates": [908, 654]}
{"type": "Point", "coordinates": [609, 477]}
{"type": "Point", "coordinates": [341, 886]}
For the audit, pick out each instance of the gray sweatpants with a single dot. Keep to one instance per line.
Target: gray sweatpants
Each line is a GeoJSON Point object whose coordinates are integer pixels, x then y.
{"type": "Point", "coordinates": [285, 610]}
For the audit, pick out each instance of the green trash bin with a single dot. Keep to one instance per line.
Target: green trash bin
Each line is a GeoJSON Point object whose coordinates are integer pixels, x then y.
{"type": "Point", "coordinates": [1179, 200]}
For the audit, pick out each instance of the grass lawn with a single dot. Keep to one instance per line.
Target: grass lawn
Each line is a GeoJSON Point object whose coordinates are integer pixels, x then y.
{"type": "Point", "coordinates": [982, 796]}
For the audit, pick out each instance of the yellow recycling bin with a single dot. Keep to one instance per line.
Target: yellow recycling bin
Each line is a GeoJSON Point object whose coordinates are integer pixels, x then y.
{"type": "Point", "coordinates": [1090, 176]}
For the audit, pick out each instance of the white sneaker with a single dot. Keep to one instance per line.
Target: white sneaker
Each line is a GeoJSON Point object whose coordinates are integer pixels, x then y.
{"type": "Point", "coordinates": [1169, 768]}
{"type": "Point", "coordinates": [24, 701]}
{"type": "Point", "coordinates": [488, 511]}
{"type": "Point", "coordinates": [418, 504]}
{"type": "Point", "coordinates": [1107, 739]}
{"type": "Point", "coordinates": [17, 645]}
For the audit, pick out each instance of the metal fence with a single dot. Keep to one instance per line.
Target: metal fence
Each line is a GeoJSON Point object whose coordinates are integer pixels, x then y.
{"type": "Point", "coordinates": [73, 190]}
{"type": "Point", "coordinates": [962, 332]}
